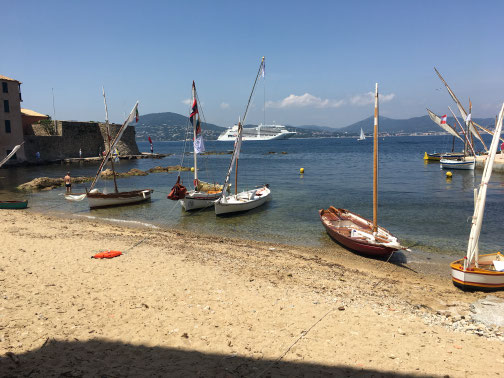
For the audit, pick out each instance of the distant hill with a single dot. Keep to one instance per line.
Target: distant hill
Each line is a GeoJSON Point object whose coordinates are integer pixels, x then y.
{"type": "Point", "coordinates": [170, 126]}
{"type": "Point", "coordinates": [408, 126]}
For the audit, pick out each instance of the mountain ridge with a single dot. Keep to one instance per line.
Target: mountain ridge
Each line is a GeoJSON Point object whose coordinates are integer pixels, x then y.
{"type": "Point", "coordinates": [168, 126]}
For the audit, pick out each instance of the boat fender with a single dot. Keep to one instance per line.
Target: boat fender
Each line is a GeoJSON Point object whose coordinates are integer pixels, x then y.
{"type": "Point", "coordinates": [107, 255]}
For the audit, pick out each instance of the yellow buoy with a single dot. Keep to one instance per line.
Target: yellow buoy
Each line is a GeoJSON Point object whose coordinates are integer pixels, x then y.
{"type": "Point", "coordinates": [192, 169]}
{"type": "Point", "coordinates": [448, 174]}
{"type": "Point", "coordinates": [301, 170]}
{"type": "Point", "coordinates": [426, 157]}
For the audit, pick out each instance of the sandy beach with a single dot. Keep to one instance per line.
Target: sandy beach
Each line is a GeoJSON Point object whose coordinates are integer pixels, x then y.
{"type": "Point", "coordinates": [179, 304]}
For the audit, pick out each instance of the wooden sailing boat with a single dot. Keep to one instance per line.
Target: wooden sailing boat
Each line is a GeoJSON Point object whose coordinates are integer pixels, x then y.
{"type": "Point", "coordinates": [362, 135]}
{"type": "Point", "coordinates": [249, 199]}
{"type": "Point", "coordinates": [475, 271]}
{"type": "Point", "coordinates": [97, 199]}
{"type": "Point", "coordinates": [355, 232]}
{"type": "Point", "coordinates": [204, 194]}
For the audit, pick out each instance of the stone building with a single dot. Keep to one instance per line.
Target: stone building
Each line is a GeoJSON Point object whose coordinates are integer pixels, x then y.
{"type": "Point", "coordinates": [11, 129]}
{"type": "Point", "coordinates": [46, 140]}
{"type": "Point", "coordinates": [71, 139]}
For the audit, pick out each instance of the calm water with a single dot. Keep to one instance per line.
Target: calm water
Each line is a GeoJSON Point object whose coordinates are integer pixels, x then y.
{"type": "Point", "coordinates": [416, 201]}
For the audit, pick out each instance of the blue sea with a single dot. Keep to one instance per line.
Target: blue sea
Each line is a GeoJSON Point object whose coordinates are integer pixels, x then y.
{"type": "Point", "coordinates": [417, 203]}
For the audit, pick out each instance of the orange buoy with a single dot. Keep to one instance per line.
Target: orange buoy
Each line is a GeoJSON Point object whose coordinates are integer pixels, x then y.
{"type": "Point", "coordinates": [107, 255]}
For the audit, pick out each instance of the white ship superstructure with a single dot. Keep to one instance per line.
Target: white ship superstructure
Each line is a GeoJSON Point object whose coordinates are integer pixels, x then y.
{"type": "Point", "coordinates": [261, 132]}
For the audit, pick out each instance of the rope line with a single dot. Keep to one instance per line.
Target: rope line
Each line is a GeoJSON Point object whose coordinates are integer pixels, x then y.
{"type": "Point", "coordinates": [303, 334]}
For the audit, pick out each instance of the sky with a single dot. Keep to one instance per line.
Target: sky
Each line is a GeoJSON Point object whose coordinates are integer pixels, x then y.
{"type": "Point", "coordinates": [323, 58]}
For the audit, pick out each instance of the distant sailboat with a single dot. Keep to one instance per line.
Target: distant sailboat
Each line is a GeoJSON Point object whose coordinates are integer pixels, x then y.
{"type": "Point", "coordinates": [362, 136]}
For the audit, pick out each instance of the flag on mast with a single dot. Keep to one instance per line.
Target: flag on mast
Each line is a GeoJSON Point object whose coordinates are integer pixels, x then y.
{"type": "Point", "coordinates": [199, 145]}
{"type": "Point", "coordinates": [443, 119]}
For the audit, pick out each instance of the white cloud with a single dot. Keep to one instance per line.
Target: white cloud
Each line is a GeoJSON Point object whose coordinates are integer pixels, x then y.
{"type": "Point", "coordinates": [368, 98]}
{"type": "Point", "coordinates": [187, 101]}
{"type": "Point", "coordinates": [224, 105]}
{"type": "Point", "coordinates": [306, 100]}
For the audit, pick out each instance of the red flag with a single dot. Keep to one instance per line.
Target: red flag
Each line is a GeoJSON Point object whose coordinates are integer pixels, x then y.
{"type": "Point", "coordinates": [150, 140]}
{"type": "Point", "coordinates": [443, 119]}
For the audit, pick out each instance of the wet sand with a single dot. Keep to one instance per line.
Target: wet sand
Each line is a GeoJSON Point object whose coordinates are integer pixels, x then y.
{"type": "Point", "coordinates": [181, 304]}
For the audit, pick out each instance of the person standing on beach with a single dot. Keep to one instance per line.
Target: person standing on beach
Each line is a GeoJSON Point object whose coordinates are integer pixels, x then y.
{"type": "Point", "coordinates": [68, 183]}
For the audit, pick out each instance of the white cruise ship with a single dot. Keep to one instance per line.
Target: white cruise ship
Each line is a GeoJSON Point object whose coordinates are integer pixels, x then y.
{"type": "Point", "coordinates": [261, 132]}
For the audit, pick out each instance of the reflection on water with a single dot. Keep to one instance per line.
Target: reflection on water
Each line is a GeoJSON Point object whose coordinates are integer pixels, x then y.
{"type": "Point", "coordinates": [416, 201]}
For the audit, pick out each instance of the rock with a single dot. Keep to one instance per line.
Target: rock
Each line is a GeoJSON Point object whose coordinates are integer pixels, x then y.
{"type": "Point", "coordinates": [170, 168]}
{"type": "Point", "coordinates": [488, 311]}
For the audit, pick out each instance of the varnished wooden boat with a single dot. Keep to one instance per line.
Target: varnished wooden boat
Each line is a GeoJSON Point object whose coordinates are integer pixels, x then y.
{"type": "Point", "coordinates": [356, 233]}
{"type": "Point", "coordinates": [14, 204]}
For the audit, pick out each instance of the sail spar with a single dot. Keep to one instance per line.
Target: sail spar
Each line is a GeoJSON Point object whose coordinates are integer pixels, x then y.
{"type": "Point", "coordinates": [438, 121]}
{"type": "Point", "coordinates": [11, 154]}
{"type": "Point", "coordinates": [463, 113]}
{"type": "Point", "coordinates": [132, 116]}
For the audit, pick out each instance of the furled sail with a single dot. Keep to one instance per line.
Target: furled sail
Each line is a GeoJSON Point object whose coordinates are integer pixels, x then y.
{"type": "Point", "coordinates": [236, 155]}
{"type": "Point", "coordinates": [11, 154]}
{"type": "Point", "coordinates": [132, 116]}
{"type": "Point", "coordinates": [437, 120]}
{"type": "Point", "coordinates": [462, 111]}
{"type": "Point", "coordinates": [479, 206]}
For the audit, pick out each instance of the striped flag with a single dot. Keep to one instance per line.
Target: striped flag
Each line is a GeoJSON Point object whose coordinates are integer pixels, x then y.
{"type": "Point", "coordinates": [443, 119]}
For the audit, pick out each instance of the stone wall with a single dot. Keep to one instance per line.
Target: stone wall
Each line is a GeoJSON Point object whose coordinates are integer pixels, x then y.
{"type": "Point", "coordinates": [89, 137]}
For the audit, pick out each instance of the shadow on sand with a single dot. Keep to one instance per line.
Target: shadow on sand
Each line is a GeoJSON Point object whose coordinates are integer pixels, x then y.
{"type": "Point", "coordinates": [103, 358]}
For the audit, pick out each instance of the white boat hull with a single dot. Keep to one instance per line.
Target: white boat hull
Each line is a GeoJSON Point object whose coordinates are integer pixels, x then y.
{"type": "Point", "coordinates": [457, 164]}
{"type": "Point", "coordinates": [98, 200]}
{"type": "Point", "coordinates": [483, 278]}
{"type": "Point", "coordinates": [198, 200]}
{"type": "Point", "coordinates": [243, 201]}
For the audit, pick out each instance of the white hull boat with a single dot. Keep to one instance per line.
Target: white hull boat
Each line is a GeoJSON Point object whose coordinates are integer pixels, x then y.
{"type": "Point", "coordinates": [198, 200]}
{"type": "Point", "coordinates": [98, 200]}
{"type": "Point", "coordinates": [242, 201]}
{"type": "Point", "coordinates": [457, 164]}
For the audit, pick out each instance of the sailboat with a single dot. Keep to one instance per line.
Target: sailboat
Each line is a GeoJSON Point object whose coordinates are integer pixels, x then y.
{"type": "Point", "coordinates": [249, 199]}
{"type": "Point", "coordinates": [355, 232]}
{"type": "Point", "coordinates": [464, 162]}
{"type": "Point", "coordinates": [97, 199]}
{"type": "Point", "coordinates": [441, 122]}
{"type": "Point", "coordinates": [204, 194]}
{"type": "Point", "coordinates": [362, 136]}
{"type": "Point", "coordinates": [475, 271]}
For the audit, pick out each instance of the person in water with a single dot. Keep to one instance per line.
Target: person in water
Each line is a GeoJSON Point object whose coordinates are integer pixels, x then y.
{"type": "Point", "coordinates": [68, 183]}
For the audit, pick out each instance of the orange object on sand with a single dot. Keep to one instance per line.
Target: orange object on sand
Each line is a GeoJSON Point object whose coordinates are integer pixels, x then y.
{"type": "Point", "coordinates": [107, 255]}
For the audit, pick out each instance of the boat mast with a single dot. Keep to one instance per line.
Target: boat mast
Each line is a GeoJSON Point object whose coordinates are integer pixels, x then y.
{"type": "Point", "coordinates": [375, 164]}
{"type": "Point", "coordinates": [108, 138]}
{"type": "Point", "coordinates": [466, 141]}
{"type": "Point", "coordinates": [236, 165]}
{"type": "Point", "coordinates": [461, 109]}
{"type": "Point", "coordinates": [195, 155]}
{"type": "Point", "coordinates": [479, 208]}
